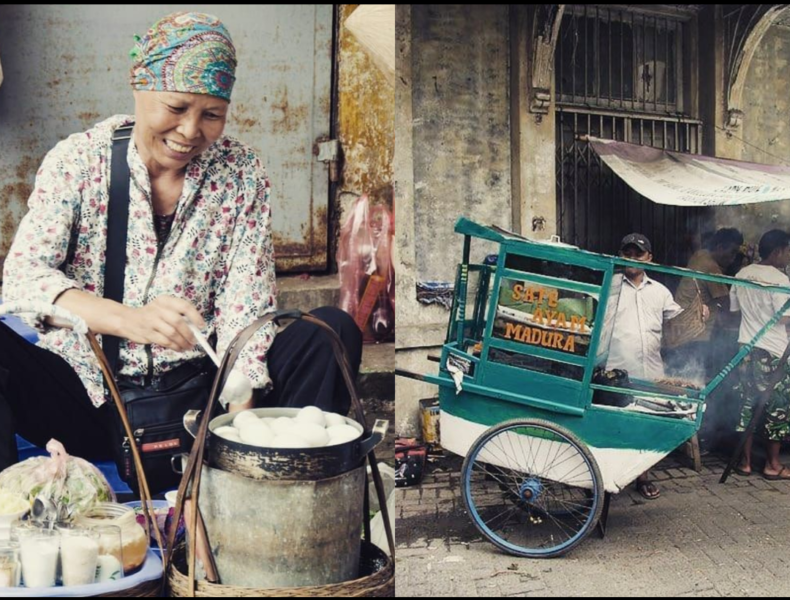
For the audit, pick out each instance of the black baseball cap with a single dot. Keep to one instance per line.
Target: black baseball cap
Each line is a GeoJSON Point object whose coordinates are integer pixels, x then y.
{"type": "Point", "coordinates": [638, 240]}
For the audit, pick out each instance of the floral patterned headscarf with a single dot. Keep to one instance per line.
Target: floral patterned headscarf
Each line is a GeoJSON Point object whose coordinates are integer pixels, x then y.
{"type": "Point", "coordinates": [185, 52]}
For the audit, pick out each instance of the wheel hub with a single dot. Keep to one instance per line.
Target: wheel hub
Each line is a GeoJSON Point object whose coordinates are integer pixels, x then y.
{"type": "Point", "coordinates": [531, 490]}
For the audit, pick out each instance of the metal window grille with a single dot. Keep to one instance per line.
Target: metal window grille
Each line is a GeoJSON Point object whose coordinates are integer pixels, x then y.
{"type": "Point", "coordinates": [620, 59]}
{"type": "Point", "coordinates": [595, 208]}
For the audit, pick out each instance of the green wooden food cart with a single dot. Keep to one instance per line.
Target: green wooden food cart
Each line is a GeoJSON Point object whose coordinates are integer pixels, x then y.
{"type": "Point", "coordinates": [525, 396]}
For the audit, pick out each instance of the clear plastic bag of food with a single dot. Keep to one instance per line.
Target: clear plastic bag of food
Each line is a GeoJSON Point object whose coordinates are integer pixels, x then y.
{"type": "Point", "coordinates": [67, 484]}
{"type": "Point", "coordinates": [367, 277]}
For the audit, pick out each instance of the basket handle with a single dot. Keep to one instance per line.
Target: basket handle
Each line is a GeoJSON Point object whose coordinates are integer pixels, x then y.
{"type": "Point", "coordinates": [237, 345]}
{"type": "Point", "coordinates": [192, 474]}
{"type": "Point", "coordinates": [142, 482]}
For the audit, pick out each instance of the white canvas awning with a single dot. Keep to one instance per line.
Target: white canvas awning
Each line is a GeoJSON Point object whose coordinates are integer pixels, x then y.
{"type": "Point", "coordinates": [681, 179]}
{"type": "Point", "coordinates": [374, 26]}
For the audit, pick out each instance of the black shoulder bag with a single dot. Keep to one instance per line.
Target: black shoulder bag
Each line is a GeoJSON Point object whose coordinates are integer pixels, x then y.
{"type": "Point", "coordinates": [155, 410]}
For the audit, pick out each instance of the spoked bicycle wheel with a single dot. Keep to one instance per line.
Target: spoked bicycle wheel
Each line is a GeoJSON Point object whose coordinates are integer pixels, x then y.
{"type": "Point", "coordinates": [532, 488]}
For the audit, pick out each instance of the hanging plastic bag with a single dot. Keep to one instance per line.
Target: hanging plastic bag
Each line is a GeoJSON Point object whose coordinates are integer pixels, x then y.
{"type": "Point", "coordinates": [367, 277]}
{"type": "Point", "coordinates": [70, 484]}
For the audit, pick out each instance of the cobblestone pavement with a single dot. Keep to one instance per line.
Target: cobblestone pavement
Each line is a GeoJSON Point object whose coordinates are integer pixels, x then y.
{"type": "Point", "coordinates": [700, 538]}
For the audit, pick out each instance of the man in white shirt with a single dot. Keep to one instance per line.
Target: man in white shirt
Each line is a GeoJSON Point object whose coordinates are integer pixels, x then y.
{"type": "Point", "coordinates": [757, 308]}
{"type": "Point", "coordinates": [636, 339]}
{"type": "Point", "coordinates": [644, 305]}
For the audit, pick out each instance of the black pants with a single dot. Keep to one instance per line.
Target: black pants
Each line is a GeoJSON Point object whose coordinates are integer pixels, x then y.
{"type": "Point", "coordinates": [41, 396]}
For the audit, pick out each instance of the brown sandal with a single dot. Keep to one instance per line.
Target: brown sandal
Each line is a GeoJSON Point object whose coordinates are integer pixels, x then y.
{"type": "Point", "coordinates": [647, 489]}
{"type": "Point", "coordinates": [783, 475]}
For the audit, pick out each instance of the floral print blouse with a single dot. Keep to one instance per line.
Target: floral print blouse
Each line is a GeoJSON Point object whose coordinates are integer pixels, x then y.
{"type": "Point", "coordinates": [219, 254]}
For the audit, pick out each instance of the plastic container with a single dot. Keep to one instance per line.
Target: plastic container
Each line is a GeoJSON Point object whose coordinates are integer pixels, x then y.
{"type": "Point", "coordinates": [135, 541]}
{"type": "Point", "coordinates": [10, 567]}
{"type": "Point", "coordinates": [39, 552]}
{"type": "Point", "coordinates": [110, 559]}
{"type": "Point", "coordinates": [79, 556]}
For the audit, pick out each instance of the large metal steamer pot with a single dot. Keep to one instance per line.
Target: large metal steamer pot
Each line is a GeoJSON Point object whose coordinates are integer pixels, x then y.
{"type": "Point", "coordinates": [284, 517]}
{"type": "Point", "coordinates": [281, 517]}
{"type": "Point", "coordinates": [295, 464]}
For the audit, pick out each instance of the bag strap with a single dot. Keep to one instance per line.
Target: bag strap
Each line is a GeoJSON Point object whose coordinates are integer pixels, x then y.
{"type": "Point", "coordinates": [114, 272]}
{"type": "Point", "coordinates": [699, 299]}
{"type": "Point", "coordinates": [117, 227]}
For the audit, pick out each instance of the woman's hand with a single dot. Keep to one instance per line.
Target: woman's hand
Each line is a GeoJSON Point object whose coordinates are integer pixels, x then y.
{"type": "Point", "coordinates": [161, 322]}
{"type": "Point", "coordinates": [234, 408]}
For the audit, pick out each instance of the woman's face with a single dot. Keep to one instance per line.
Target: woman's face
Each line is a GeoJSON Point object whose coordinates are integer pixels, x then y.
{"type": "Point", "coordinates": [172, 128]}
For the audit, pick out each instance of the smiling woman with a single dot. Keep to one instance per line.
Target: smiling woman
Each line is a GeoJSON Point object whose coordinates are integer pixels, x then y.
{"type": "Point", "coordinates": [172, 127]}
{"type": "Point", "coordinates": [196, 250]}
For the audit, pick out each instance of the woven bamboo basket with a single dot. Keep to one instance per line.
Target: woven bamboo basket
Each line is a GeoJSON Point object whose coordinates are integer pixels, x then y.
{"type": "Point", "coordinates": [376, 580]}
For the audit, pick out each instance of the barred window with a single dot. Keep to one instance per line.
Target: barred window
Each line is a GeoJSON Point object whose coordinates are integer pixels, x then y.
{"type": "Point", "coordinates": [620, 59]}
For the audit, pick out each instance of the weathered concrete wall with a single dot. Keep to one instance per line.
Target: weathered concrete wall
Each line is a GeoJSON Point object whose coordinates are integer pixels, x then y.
{"type": "Point", "coordinates": [767, 122]}
{"type": "Point", "coordinates": [534, 200]}
{"type": "Point", "coordinates": [366, 129]}
{"type": "Point", "coordinates": [414, 329]}
{"type": "Point", "coordinates": [461, 126]}
{"type": "Point", "coordinates": [764, 132]}
{"type": "Point", "coordinates": [452, 158]}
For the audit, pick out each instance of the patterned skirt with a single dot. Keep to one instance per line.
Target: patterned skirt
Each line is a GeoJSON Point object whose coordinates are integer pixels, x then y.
{"type": "Point", "coordinates": [755, 372]}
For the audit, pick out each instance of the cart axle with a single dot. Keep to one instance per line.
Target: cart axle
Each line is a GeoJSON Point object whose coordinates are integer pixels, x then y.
{"type": "Point", "coordinates": [531, 490]}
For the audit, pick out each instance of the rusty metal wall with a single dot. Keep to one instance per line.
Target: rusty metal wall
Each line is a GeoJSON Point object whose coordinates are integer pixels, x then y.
{"type": "Point", "coordinates": [66, 67]}
{"type": "Point", "coordinates": [366, 116]}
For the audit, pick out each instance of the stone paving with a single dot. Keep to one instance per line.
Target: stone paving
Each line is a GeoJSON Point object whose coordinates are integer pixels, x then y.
{"type": "Point", "coordinates": [700, 538]}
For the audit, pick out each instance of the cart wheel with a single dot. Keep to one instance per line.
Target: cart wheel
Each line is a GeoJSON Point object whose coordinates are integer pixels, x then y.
{"type": "Point", "coordinates": [532, 488]}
